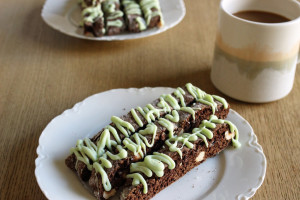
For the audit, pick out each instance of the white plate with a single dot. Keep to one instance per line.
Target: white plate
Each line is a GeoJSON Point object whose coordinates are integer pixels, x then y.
{"type": "Point", "coordinates": [233, 174]}
{"type": "Point", "coordinates": [64, 16]}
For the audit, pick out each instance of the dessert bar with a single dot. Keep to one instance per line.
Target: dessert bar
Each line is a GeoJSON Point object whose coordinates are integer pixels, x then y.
{"type": "Point", "coordinates": [104, 160]}
{"type": "Point", "coordinates": [179, 155]}
{"type": "Point", "coordinates": [114, 21]}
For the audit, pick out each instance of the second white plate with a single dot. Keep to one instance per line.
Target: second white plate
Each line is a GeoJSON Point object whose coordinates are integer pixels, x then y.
{"type": "Point", "coordinates": [64, 16]}
{"type": "Point", "coordinates": [233, 174]}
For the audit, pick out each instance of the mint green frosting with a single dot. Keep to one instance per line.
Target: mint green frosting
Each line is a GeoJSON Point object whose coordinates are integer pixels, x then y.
{"type": "Point", "coordinates": [105, 181]}
{"type": "Point", "coordinates": [81, 155]}
{"type": "Point", "coordinates": [104, 141]}
{"type": "Point", "coordinates": [151, 129]}
{"type": "Point", "coordinates": [141, 23]}
{"type": "Point", "coordinates": [149, 112]}
{"type": "Point", "coordinates": [195, 92]}
{"type": "Point", "coordinates": [209, 100]}
{"type": "Point", "coordinates": [137, 147]}
{"type": "Point", "coordinates": [120, 124]}
{"type": "Point", "coordinates": [168, 125]}
{"type": "Point", "coordinates": [131, 7]}
{"type": "Point", "coordinates": [137, 179]}
{"type": "Point", "coordinates": [172, 101]}
{"type": "Point", "coordinates": [136, 118]}
{"type": "Point", "coordinates": [90, 14]}
{"type": "Point", "coordinates": [179, 92]}
{"type": "Point", "coordinates": [164, 105]}
{"type": "Point", "coordinates": [221, 100]}
{"type": "Point", "coordinates": [122, 154]}
{"type": "Point", "coordinates": [116, 23]}
{"type": "Point", "coordinates": [153, 163]}
{"type": "Point", "coordinates": [152, 111]}
{"type": "Point", "coordinates": [174, 117]}
{"type": "Point", "coordinates": [116, 14]}
{"type": "Point", "coordinates": [109, 6]}
{"type": "Point", "coordinates": [142, 112]}
{"type": "Point", "coordinates": [141, 142]}
{"type": "Point", "coordinates": [114, 132]}
{"type": "Point", "coordinates": [233, 129]}
{"type": "Point", "coordinates": [147, 6]}
{"type": "Point", "coordinates": [189, 110]}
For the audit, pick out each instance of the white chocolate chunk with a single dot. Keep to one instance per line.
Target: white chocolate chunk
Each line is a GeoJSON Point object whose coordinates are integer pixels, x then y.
{"type": "Point", "coordinates": [228, 135]}
{"type": "Point", "coordinates": [109, 194]}
{"type": "Point", "coordinates": [200, 157]}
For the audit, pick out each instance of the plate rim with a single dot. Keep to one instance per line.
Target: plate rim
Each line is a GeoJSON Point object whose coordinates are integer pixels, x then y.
{"type": "Point", "coordinates": [253, 142]}
{"type": "Point", "coordinates": [113, 37]}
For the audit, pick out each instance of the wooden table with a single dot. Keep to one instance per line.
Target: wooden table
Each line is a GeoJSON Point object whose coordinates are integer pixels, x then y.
{"type": "Point", "coordinates": [43, 72]}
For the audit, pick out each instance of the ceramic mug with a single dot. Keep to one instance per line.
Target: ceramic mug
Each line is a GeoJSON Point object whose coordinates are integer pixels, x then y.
{"type": "Point", "coordinates": [256, 62]}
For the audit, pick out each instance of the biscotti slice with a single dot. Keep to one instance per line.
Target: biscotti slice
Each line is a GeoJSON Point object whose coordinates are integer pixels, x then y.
{"type": "Point", "coordinates": [179, 155]}
{"type": "Point", "coordinates": [142, 143]}
{"type": "Point", "coordinates": [114, 20]}
{"type": "Point", "coordinates": [93, 19]}
{"type": "Point", "coordinates": [134, 16]}
{"type": "Point", "coordinates": [152, 13]}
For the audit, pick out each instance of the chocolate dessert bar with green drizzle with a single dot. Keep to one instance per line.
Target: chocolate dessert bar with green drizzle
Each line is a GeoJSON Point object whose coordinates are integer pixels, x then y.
{"type": "Point", "coordinates": [92, 17]}
{"type": "Point", "coordinates": [178, 155]}
{"type": "Point", "coordinates": [114, 20]}
{"type": "Point", "coordinates": [134, 16]}
{"type": "Point", "coordinates": [152, 13]}
{"type": "Point", "coordinates": [109, 156]}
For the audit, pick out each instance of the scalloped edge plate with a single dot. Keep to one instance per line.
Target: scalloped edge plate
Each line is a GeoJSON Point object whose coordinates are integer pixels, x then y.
{"type": "Point", "coordinates": [233, 174]}
{"type": "Point", "coordinates": [64, 16]}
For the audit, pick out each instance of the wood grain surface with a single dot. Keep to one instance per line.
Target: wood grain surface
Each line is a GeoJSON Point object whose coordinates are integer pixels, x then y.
{"type": "Point", "coordinates": [43, 73]}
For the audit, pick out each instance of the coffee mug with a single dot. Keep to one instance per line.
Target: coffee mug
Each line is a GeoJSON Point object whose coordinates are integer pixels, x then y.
{"type": "Point", "coordinates": [254, 61]}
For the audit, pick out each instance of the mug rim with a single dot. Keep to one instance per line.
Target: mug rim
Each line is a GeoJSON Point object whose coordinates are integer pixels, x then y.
{"type": "Point", "coordinates": [262, 23]}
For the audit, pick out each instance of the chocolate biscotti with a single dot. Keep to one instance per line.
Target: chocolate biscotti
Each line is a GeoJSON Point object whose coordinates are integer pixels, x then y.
{"type": "Point", "coordinates": [152, 13]}
{"type": "Point", "coordinates": [179, 155]}
{"type": "Point", "coordinates": [104, 160]}
{"type": "Point", "coordinates": [92, 17]}
{"type": "Point", "coordinates": [134, 16]}
{"type": "Point", "coordinates": [146, 141]}
{"type": "Point", "coordinates": [111, 17]}
{"type": "Point", "coordinates": [114, 21]}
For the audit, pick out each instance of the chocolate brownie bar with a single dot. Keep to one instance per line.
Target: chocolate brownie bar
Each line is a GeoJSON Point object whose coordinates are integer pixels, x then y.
{"type": "Point", "coordinates": [109, 154]}
{"type": "Point", "coordinates": [178, 156]}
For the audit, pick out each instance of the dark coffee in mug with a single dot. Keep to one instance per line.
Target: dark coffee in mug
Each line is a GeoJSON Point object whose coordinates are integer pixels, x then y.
{"type": "Point", "coordinates": [261, 16]}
